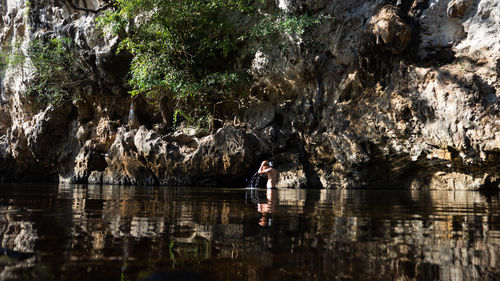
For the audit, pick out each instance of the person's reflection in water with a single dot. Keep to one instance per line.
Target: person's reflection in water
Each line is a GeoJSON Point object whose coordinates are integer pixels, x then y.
{"type": "Point", "coordinates": [266, 209]}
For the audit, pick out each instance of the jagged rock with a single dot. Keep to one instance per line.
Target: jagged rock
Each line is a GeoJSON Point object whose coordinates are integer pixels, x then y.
{"type": "Point", "coordinates": [146, 157]}
{"type": "Point", "coordinates": [458, 8]}
{"type": "Point", "coordinates": [403, 96]}
{"type": "Point", "coordinates": [50, 135]}
{"type": "Point", "coordinates": [439, 33]}
{"type": "Point", "coordinates": [389, 30]}
{"type": "Point", "coordinates": [226, 155]}
{"type": "Point", "coordinates": [455, 181]}
{"type": "Point", "coordinates": [123, 163]}
{"type": "Point", "coordinates": [481, 27]}
{"type": "Point", "coordinates": [290, 171]}
{"type": "Point", "coordinates": [258, 116]}
{"type": "Point", "coordinates": [95, 177]}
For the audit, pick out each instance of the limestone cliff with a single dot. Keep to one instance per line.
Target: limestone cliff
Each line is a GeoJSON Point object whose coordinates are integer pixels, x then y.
{"type": "Point", "coordinates": [392, 93]}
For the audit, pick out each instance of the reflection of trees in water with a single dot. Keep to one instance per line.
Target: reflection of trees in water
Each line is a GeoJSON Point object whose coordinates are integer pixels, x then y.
{"type": "Point", "coordinates": [329, 233]}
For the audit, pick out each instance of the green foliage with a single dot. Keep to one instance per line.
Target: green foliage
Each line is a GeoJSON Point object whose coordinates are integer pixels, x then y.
{"type": "Point", "coordinates": [271, 28]}
{"type": "Point", "coordinates": [199, 118]}
{"type": "Point", "coordinates": [183, 47]}
{"type": "Point", "coordinates": [57, 73]}
{"type": "Point", "coordinates": [186, 49]}
{"type": "Point", "coordinates": [28, 9]}
{"type": "Point", "coordinates": [11, 56]}
{"type": "Point", "coordinates": [3, 63]}
{"type": "Point", "coordinates": [274, 24]}
{"type": "Point", "coordinates": [170, 251]}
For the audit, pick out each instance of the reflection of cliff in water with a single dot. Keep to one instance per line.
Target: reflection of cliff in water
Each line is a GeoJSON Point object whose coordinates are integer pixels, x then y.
{"type": "Point", "coordinates": [362, 235]}
{"type": "Point", "coordinates": [18, 239]}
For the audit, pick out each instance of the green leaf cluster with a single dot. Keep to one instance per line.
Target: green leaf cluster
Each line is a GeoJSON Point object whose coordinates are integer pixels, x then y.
{"type": "Point", "coordinates": [10, 55]}
{"type": "Point", "coordinates": [186, 49]}
{"type": "Point", "coordinates": [57, 72]}
{"type": "Point", "coordinates": [272, 25]}
{"type": "Point", "coordinates": [181, 48]}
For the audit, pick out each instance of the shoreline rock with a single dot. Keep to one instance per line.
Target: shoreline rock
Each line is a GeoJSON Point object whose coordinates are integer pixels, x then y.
{"type": "Point", "coordinates": [400, 96]}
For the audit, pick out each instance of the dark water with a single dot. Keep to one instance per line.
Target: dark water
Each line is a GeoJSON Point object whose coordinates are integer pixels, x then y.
{"type": "Point", "coordinates": [129, 233]}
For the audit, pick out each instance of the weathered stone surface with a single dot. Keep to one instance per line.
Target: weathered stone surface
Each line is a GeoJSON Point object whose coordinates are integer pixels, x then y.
{"type": "Point", "coordinates": [46, 132]}
{"type": "Point", "coordinates": [146, 157]}
{"type": "Point", "coordinates": [258, 116]}
{"type": "Point", "coordinates": [439, 33]}
{"type": "Point", "coordinates": [402, 95]}
{"type": "Point", "coordinates": [458, 8]}
{"type": "Point", "coordinates": [390, 31]}
{"type": "Point", "coordinates": [290, 171]}
{"type": "Point", "coordinates": [482, 29]}
{"type": "Point", "coordinates": [95, 177]}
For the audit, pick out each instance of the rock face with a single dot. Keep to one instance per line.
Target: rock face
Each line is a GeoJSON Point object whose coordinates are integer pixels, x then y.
{"type": "Point", "coordinates": [398, 95]}
{"type": "Point", "coordinates": [390, 30]}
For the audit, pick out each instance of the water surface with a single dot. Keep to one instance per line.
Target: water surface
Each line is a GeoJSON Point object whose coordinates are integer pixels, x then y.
{"type": "Point", "coordinates": [80, 232]}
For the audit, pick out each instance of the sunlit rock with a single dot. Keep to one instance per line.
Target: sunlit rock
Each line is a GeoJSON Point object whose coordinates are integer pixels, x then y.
{"type": "Point", "coordinates": [390, 31]}
{"type": "Point", "coordinates": [458, 8]}
{"type": "Point", "coordinates": [439, 32]}
{"type": "Point", "coordinates": [402, 95]}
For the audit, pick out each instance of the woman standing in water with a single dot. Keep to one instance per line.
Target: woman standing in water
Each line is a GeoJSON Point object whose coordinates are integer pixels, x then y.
{"type": "Point", "coordinates": [266, 168]}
